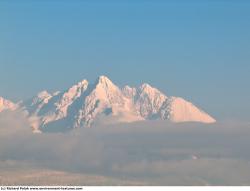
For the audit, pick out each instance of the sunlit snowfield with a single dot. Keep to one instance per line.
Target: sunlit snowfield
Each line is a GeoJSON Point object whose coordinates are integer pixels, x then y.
{"type": "Point", "coordinates": [145, 153]}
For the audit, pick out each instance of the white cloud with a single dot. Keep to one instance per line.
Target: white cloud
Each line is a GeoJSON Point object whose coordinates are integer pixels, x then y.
{"type": "Point", "coordinates": [157, 153]}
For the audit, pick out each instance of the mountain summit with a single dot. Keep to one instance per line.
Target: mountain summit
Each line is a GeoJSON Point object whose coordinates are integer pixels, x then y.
{"type": "Point", "coordinates": [102, 102]}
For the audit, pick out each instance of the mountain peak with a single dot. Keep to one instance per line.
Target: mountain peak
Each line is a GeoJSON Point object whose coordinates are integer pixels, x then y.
{"type": "Point", "coordinates": [103, 77]}
{"type": "Point", "coordinates": [103, 80]}
{"type": "Point", "coordinates": [105, 83]}
{"type": "Point", "coordinates": [83, 83]}
{"type": "Point", "coordinates": [145, 86]}
{"type": "Point", "coordinates": [148, 89]}
{"type": "Point", "coordinates": [82, 105]}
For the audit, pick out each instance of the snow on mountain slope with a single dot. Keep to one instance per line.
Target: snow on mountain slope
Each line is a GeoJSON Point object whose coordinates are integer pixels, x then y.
{"type": "Point", "coordinates": [85, 104]}
{"type": "Point", "coordinates": [105, 98]}
{"type": "Point", "coordinates": [34, 104]}
{"type": "Point", "coordinates": [6, 105]}
{"type": "Point", "coordinates": [129, 92]}
{"type": "Point", "coordinates": [46, 108]}
{"type": "Point", "coordinates": [177, 109]}
{"type": "Point", "coordinates": [59, 106]}
{"type": "Point", "coordinates": [148, 101]}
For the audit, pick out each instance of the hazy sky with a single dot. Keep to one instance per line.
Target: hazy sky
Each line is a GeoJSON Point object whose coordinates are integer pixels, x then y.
{"type": "Point", "coordinates": [199, 50]}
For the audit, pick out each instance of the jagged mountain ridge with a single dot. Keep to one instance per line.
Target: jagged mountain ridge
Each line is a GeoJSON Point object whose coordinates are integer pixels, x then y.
{"type": "Point", "coordinates": [85, 104]}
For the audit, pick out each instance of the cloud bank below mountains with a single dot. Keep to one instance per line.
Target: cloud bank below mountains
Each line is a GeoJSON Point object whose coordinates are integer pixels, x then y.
{"type": "Point", "coordinates": [150, 153]}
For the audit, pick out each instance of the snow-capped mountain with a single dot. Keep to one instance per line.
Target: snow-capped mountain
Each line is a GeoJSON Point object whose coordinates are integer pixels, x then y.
{"type": "Point", "coordinates": [85, 104]}
{"type": "Point", "coordinates": [6, 105]}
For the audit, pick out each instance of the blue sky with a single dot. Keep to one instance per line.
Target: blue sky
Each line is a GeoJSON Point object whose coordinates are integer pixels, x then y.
{"type": "Point", "coordinates": [199, 50]}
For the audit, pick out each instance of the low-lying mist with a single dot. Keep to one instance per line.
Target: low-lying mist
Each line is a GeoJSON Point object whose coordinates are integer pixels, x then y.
{"type": "Point", "coordinates": [150, 153]}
